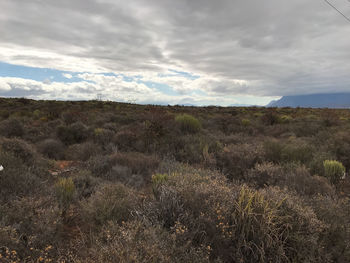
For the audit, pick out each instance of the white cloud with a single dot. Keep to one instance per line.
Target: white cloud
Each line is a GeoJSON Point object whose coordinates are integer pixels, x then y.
{"type": "Point", "coordinates": [67, 75]}
{"type": "Point", "coordinates": [252, 47]}
{"type": "Point", "coordinates": [112, 88]}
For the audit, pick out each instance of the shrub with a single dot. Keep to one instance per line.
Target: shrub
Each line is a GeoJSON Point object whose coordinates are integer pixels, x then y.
{"type": "Point", "coordinates": [236, 222]}
{"type": "Point", "coordinates": [273, 151]}
{"type": "Point", "coordinates": [74, 133]}
{"type": "Point", "coordinates": [299, 180]}
{"type": "Point", "coordinates": [103, 136]}
{"type": "Point", "coordinates": [297, 152]}
{"type": "Point", "coordinates": [16, 179]}
{"type": "Point", "coordinates": [187, 148]}
{"type": "Point", "coordinates": [52, 149]}
{"type": "Point", "coordinates": [334, 170]}
{"type": "Point", "coordinates": [294, 178]}
{"type": "Point", "coordinates": [188, 123]}
{"type": "Point", "coordinates": [135, 241]}
{"type": "Point", "coordinates": [111, 202]}
{"type": "Point", "coordinates": [157, 181]}
{"type": "Point", "coordinates": [11, 128]}
{"type": "Point", "coordinates": [270, 118]}
{"type": "Point", "coordinates": [85, 184]}
{"type": "Point", "coordinates": [65, 190]}
{"type": "Point", "coordinates": [83, 151]}
{"type": "Point", "coordinates": [265, 174]}
{"type": "Point", "coordinates": [20, 149]}
{"type": "Point", "coordinates": [100, 165]}
{"type": "Point", "coordinates": [245, 122]}
{"type": "Point", "coordinates": [138, 163]}
{"type": "Point", "coordinates": [236, 159]}
{"type": "Point", "coordinates": [125, 140]}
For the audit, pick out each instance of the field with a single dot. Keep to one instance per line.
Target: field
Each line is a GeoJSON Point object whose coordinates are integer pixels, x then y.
{"type": "Point", "coordinates": [97, 181]}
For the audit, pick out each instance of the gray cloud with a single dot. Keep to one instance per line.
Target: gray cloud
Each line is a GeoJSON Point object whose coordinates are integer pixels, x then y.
{"type": "Point", "coordinates": [277, 47]}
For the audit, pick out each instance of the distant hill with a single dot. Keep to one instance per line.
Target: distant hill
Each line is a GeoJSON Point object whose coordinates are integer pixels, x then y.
{"type": "Point", "coordinates": [329, 100]}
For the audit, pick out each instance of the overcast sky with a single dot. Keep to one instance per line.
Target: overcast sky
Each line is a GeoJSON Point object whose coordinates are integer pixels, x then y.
{"type": "Point", "coordinates": [200, 52]}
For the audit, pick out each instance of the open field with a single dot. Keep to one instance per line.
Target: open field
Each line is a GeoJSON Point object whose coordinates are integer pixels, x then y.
{"type": "Point", "coordinates": [101, 181]}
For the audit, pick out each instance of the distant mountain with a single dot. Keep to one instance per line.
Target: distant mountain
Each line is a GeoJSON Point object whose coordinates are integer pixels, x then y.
{"type": "Point", "coordinates": [329, 100]}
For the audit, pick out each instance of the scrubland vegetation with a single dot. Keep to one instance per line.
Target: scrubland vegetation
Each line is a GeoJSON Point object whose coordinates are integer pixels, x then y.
{"type": "Point", "coordinates": [110, 182]}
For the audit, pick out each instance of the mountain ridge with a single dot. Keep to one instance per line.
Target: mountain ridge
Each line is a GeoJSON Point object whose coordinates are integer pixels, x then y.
{"type": "Point", "coordinates": [319, 100]}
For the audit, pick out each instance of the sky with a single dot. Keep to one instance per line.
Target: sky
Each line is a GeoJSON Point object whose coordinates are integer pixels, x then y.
{"type": "Point", "coordinates": [192, 52]}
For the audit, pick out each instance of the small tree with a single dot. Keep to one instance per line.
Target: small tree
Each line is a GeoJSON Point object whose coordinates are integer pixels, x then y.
{"type": "Point", "coordinates": [334, 170]}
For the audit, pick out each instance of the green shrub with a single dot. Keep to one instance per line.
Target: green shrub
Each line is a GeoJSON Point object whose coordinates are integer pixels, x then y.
{"type": "Point", "coordinates": [157, 181]}
{"type": "Point", "coordinates": [333, 170]}
{"type": "Point", "coordinates": [188, 123]}
{"type": "Point", "coordinates": [297, 152]}
{"type": "Point", "coordinates": [65, 190]}
{"type": "Point", "coordinates": [245, 122]}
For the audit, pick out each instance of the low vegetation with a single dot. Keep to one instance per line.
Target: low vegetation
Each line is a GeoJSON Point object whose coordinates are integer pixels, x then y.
{"type": "Point", "coordinates": [101, 181]}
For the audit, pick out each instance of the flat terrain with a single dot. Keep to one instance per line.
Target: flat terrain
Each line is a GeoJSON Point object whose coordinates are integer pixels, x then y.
{"type": "Point", "coordinates": [98, 181]}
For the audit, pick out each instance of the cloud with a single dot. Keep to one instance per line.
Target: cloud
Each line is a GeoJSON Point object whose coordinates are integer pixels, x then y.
{"type": "Point", "coordinates": [238, 48]}
{"type": "Point", "coordinates": [67, 75]}
{"type": "Point", "coordinates": [114, 88]}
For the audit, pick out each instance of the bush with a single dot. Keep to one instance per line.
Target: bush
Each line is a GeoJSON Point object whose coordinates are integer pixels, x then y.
{"type": "Point", "coordinates": [297, 152]}
{"type": "Point", "coordinates": [294, 178]}
{"type": "Point", "coordinates": [85, 184]}
{"type": "Point", "coordinates": [16, 179]}
{"type": "Point", "coordinates": [74, 133]}
{"type": "Point", "coordinates": [236, 222]}
{"type": "Point", "coordinates": [270, 118]}
{"type": "Point", "coordinates": [103, 136]}
{"type": "Point", "coordinates": [138, 163]}
{"type": "Point", "coordinates": [137, 242]}
{"type": "Point", "coordinates": [236, 159]}
{"type": "Point", "coordinates": [65, 190]}
{"type": "Point", "coordinates": [100, 166]}
{"type": "Point", "coordinates": [157, 181]}
{"type": "Point", "coordinates": [52, 149]}
{"type": "Point", "coordinates": [83, 151]}
{"type": "Point", "coordinates": [188, 123]}
{"type": "Point", "coordinates": [125, 140]}
{"type": "Point", "coordinates": [265, 174]}
{"type": "Point", "coordinates": [11, 128]}
{"type": "Point", "coordinates": [19, 149]}
{"type": "Point", "coordinates": [111, 202]}
{"type": "Point", "coordinates": [334, 171]}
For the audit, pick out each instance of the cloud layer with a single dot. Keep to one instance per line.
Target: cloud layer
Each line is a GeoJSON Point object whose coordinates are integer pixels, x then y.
{"type": "Point", "coordinates": [234, 48]}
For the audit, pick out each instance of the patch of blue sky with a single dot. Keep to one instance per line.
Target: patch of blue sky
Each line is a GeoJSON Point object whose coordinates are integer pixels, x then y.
{"type": "Point", "coordinates": [38, 74]}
